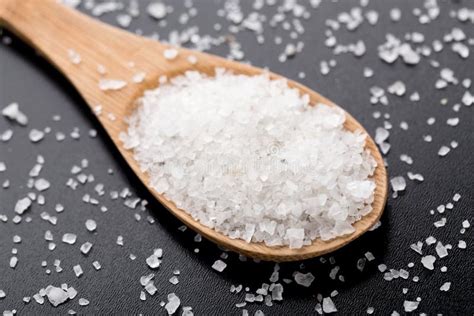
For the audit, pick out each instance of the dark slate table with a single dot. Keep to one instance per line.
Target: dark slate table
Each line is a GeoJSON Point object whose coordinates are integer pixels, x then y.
{"type": "Point", "coordinates": [42, 93]}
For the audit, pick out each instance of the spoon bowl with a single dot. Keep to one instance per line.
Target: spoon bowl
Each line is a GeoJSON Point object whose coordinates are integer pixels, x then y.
{"type": "Point", "coordinates": [58, 33]}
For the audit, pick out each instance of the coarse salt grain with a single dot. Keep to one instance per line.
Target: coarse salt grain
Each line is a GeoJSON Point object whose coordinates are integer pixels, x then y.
{"type": "Point", "coordinates": [248, 178]}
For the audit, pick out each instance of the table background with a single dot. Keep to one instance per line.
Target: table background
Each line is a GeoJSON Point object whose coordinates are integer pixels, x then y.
{"type": "Point", "coordinates": [42, 92]}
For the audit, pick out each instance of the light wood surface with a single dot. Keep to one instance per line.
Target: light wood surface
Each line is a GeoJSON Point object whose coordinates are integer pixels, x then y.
{"type": "Point", "coordinates": [54, 29]}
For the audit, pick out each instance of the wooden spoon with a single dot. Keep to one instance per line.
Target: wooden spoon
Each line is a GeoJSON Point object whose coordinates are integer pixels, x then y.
{"type": "Point", "coordinates": [55, 30]}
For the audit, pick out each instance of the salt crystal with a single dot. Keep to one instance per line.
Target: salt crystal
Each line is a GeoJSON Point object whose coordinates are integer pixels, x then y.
{"type": "Point", "coordinates": [12, 111]}
{"type": "Point", "coordinates": [139, 77]}
{"type": "Point", "coordinates": [170, 53]}
{"type": "Point", "coordinates": [22, 205]}
{"type": "Point", "coordinates": [56, 295]}
{"type": "Point", "coordinates": [83, 302]}
{"type": "Point", "coordinates": [304, 279]}
{"type": "Point", "coordinates": [428, 261]}
{"type": "Point", "coordinates": [91, 225]}
{"type": "Point", "coordinates": [42, 184]}
{"type": "Point", "coordinates": [173, 303]}
{"type": "Point", "coordinates": [13, 262]}
{"type": "Point", "coordinates": [462, 244]}
{"type": "Point", "coordinates": [156, 10]}
{"type": "Point", "coordinates": [36, 135]}
{"type": "Point", "coordinates": [443, 151]}
{"type": "Point", "coordinates": [74, 56]}
{"type": "Point", "coordinates": [219, 265]}
{"type": "Point", "coordinates": [77, 270]}
{"type": "Point", "coordinates": [398, 88]}
{"type": "Point", "coordinates": [410, 306]}
{"type": "Point", "coordinates": [398, 184]}
{"type": "Point", "coordinates": [69, 238]}
{"type": "Point", "coordinates": [153, 261]}
{"type": "Point", "coordinates": [86, 248]}
{"type": "Point", "coordinates": [441, 250]}
{"type": "Point", "coordinates": [328, 305]}
{"type": "Point", "coordinates": [445, 287]}
{"type": "Point", "coordinates": [111, 84]}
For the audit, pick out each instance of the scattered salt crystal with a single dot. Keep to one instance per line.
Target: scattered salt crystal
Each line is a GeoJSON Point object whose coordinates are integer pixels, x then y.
{"type": "Point", "coordinates": [328, 305]}
{"type": "Point", "coordinates": [462, 244]}
{"type": "Point", "coordinates": [36, 135]}
{"type": "Point", "coordinates": [91, 225]}
{"type": "Point", "coordinates": [428, 261]}
{"type": "Point", "coordinates": [156, 10]}
{"type": "Point", "coordinates": [42, 184]}
{"type": "Point", "coordinates": [77, 270]}
{"type": "Point", "coordinates": [13, 262]}
{"type": "Point", "coordinates": [304, 279]}
{"type": "Point", "coordinates": [441, 250]}
{"type": "Point", "coordinates": [111, 84]}
{"type": "Point", "coordinates": [139, 77]}
{"type": "Point", "coordinates": [170, 53]}
{"type": "Point", "coordinates": [86, 247]}
{"type": "Point", "coordinates": [83, 302]}
{"type": "Point", "coordinates": [74, 56]}
{"type": "Point", "coordinates": [69, 238]}
{"type": "Point", "coordinates": [153, 261]}
{"type": "Point", "coordinates": [173, 303]}
{"type": "Point", "coordinates": [410, 306]}
{"type": "Point", "coordinates": [398, 184]}
{"type": "Point", "coordinates": [12, 111]}
{"type": "Point", "coordinates": [445, 287]}
{"type": "Point", "coordinates": [22, 205]}
{"type": "Point", "coordinates": [56, 295]}
{"type": "Point", "coordinates": [398, 88]}
{"type": "Point", "coordinates": [443, 151]}
{"type": "Point", "coordinates": [219, 265]}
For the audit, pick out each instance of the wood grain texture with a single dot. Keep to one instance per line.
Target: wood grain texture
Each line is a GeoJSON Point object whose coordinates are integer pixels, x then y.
{"type": "Point", "coordinates": [54, 29]}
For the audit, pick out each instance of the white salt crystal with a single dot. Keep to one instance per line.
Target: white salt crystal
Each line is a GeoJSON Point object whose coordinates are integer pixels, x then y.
{"type": "Point", "coordinates": [36, 135]}
{"type": "Point", "coordinates": [170, 53]}
{"type": "Point", "coordinates": [12, 111]}
{"type": "Point", "coordinates": [445, 287]}
{"type": "Point", "coordinates": [77, 270]}
{"type": "Point", "coordinates": [111, 84]}
{"type": "Point", "coordinates": [443, 151]}
{"type": "Point", "coordinates": [462, 244]}
{"type": "Point", "coordinates": [304, 279]}
{"type": "Point", "coordinates": [428, 261]}
{"type": "Point", "coordinates": [56, 295]}
{"type": "Point", "coordinates": [410, 306]}
{"type": "Point", "coordinates": [153, 261]}
{"type": "Point", "coordinates": [398, 184]}
{"type": "Point", "coordinates": [83, 302]}
{"type": "Point", "coordinates": [69, 238]}
{"type": "Point", "coordinates": [22, 205]}
{"type": "Point", "coordinates": [328, 305]}
{"type": "Point", "coordinates": [139, 77]}
{"type": "Point", "coordinates": [173, 303]}
{"type": "Point", "coordinates": [86, 247]}
{"type": "Point", "coordinates": [91, 225]}
{"type": "Point", "coordinates": [441, 250]}
{"type": "Point", "coordinates": [13, 262]}
{"type": "Point", "coordinates": [219, 265]}
{"type": "Point", "coordinates": [156, 10]}
{"type": "Point", "coordinates": [96, 265]}
{"type": "Point", "coordinates": [42, 184]}
{"type": "Point", "coordinates": [398, 88]}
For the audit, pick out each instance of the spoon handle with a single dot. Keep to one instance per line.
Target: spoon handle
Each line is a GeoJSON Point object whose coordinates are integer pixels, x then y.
{"type": "Point", "coordinates": [60, 33]}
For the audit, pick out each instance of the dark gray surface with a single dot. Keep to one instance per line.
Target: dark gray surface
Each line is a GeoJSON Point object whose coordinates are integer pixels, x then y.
{"type": "Point", "coordinates": [42, 92]}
